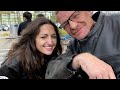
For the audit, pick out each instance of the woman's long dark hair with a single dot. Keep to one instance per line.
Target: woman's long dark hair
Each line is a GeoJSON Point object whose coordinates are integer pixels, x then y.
{"type": "Point", "coordinates": [25, 49]}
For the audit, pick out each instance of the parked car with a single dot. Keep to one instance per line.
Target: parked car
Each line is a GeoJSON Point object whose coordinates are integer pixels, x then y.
{"type": "Point", "coordinates": [4, 27]}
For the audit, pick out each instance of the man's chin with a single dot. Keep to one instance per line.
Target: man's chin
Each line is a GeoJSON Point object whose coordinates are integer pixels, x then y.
{"type": "Point", "coordinates": [80, 38]}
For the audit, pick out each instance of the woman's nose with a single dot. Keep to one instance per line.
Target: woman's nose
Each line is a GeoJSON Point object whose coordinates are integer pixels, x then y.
{"type": "Point", "coordinates": [50, 41]}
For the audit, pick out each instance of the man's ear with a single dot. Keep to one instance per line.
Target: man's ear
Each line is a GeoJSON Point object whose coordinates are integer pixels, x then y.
{"type": "Point", "coordinates": [90, 13]}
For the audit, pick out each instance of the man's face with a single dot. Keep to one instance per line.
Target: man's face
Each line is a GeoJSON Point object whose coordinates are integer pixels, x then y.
{"type": "Point", "coordinates": [77, 23]}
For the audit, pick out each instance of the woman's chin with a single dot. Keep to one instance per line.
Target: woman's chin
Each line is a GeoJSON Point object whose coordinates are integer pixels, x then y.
{"type": "Point", "coordinates": [48, 53]}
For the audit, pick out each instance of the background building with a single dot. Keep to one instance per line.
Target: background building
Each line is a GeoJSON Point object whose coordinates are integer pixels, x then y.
{"type": "Point", "coordinates": [15, 17]}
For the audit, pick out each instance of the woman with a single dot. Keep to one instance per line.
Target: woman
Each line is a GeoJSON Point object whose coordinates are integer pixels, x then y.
{"type": "Point", "coordinates": [28, 58]}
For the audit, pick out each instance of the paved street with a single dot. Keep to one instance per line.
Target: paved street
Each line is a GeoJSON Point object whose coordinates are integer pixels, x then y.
{"type": "Point", "coordinates": [5, 44]}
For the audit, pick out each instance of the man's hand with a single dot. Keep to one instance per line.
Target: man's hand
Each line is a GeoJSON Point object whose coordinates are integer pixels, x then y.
{"type": "Point", "coordinates": [94, 67]}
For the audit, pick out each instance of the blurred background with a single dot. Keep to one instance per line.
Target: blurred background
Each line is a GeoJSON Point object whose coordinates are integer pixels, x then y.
{"type": "Point", "coordinates": [10, 20]}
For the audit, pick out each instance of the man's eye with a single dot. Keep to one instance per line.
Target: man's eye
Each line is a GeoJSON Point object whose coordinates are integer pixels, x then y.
{"type": "Point", "coordinates": [66, 24]}
{"type": "Point", "coordinates": [76, 16]}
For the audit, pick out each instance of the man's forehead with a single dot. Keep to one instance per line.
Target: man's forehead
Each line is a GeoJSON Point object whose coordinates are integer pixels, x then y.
{"type": "Point", "coordinates": [63, 15]}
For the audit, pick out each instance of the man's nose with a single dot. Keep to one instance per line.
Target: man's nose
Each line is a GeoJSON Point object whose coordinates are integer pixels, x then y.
{"type": "Point", "coordinates": [72, 24]}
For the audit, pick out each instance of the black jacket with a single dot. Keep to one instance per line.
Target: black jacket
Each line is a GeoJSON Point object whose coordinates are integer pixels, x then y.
{"type": "Point", "coordinates": [22, 26]}
{"type": "Point", "coordinates": [103, 41]}
{"type": "Point", "coordinates": [14, 70]}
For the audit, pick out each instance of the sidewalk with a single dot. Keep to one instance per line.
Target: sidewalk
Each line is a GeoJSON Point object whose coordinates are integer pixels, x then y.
{"type": "Point", "coordinates": [5, 44]}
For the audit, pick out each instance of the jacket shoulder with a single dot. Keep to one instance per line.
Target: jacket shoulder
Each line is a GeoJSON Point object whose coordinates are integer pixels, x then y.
{"type": "Point", "coordinates": [11, 70]}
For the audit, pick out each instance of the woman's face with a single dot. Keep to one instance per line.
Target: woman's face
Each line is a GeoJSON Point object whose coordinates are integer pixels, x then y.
{"type": "Point", "coordinates": [46, 40]}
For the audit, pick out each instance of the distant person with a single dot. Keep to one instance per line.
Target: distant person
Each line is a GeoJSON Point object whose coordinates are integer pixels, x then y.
{"type": "Point", "coordinates": [40, 15]}
{"type": "Point", "coordinates": [27, 16]}
{"type": "Point", "coordinates": [28, 58]}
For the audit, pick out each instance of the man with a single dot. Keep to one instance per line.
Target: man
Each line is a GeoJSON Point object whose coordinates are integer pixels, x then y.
{"type": "Point", "coordinates": [27, 16]}
{"type": "Point", "coordinates": [95, 51]}
{"type": "Point", "coordinates": [40, 15]}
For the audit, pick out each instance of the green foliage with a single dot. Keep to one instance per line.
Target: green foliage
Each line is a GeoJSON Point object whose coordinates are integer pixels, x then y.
{"type": "Point", "coordinates": [53, 18]}
{"type": "Point", "coordinates": [5, 33]}
{"type": "Point", "coordinates": [62, 32]}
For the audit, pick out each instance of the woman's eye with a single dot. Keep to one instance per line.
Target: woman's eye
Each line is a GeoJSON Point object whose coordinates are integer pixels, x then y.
{"type": "Point", "coordinates": [54, 36]}
{"type": "Point", "coordinates": [43, 37]}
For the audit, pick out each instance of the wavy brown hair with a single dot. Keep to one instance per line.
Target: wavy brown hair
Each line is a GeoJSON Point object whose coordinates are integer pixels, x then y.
{"type": "Point", "coordinates": [25, 49]}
